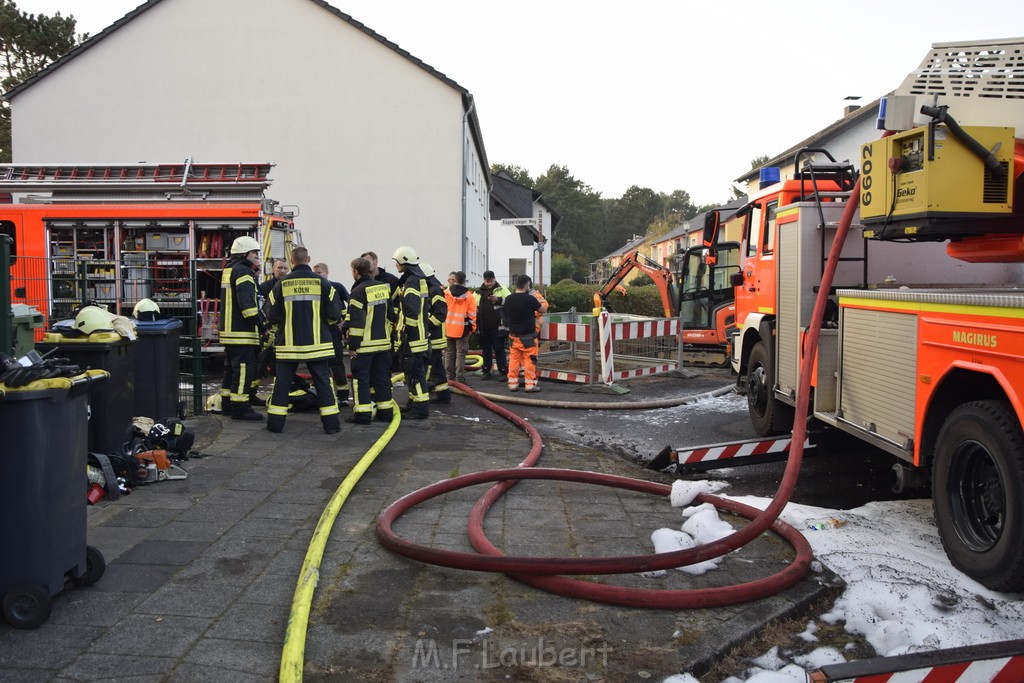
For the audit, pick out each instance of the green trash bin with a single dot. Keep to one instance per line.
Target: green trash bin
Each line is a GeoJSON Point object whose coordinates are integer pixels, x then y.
{"type": "Point", "coordinates": [26, 321]}
{"type": "Point", "coordinates": [110, 406]}
{"type": "Point", "coordinates": [156, 369]}
{"type": "Point", "coordinates": [43, 486]}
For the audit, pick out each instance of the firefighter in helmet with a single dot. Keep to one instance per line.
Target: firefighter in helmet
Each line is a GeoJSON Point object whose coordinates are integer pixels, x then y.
{"type": "Point", "coordinates": [303, 306]}
{"type": "Point", "coordinates": [369, 319]}
{"type": "Point", "coordinates": [413, 326]}
{"type": "Point", "coordinates": [241, 326]}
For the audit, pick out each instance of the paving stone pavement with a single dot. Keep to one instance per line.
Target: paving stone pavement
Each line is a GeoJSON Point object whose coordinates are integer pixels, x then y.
{"type": "Point", "coordinates": [200, 572]}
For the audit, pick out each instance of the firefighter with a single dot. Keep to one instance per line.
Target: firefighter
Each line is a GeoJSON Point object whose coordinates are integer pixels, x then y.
{"type": "Point", "coordinates": [437, 380]}
{"type": "Point", "coordinates": [303, 306]}
{"type": "Point", "coordinates": [241, 326]}
{"type": "Point", "coordinates": [369, 321]}
{"type": "Point", "coordinates": [413, 335]}
{"type": "Point", "coordinates": [338, 362]}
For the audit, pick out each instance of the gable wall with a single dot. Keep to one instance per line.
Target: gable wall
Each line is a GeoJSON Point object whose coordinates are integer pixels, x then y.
{"type": "Point", "coordinates": [367, 144]}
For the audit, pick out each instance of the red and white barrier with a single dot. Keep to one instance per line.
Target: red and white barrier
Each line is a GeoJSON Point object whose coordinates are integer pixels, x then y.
{"type": "Point", "coordinates": [608, 333]}
{"type": "Point", "coordinates": [1001, 662]}
{"type": "Point", "coordinates": [736, 449]}
{"type": "Point", "coordinates": [607, 361]}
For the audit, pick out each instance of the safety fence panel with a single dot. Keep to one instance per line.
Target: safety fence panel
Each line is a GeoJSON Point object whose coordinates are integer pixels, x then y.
{"type": "Point", "coordinates": [571, 350]}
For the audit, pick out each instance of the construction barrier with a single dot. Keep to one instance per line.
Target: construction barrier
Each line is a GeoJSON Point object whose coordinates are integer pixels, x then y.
{"type": "Point", "coordinates": [573, 350]}
{"type": "Point", "coordinates": [1001, 662]}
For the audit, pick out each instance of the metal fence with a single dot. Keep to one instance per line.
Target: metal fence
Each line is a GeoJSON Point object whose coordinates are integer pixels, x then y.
{"type": "Point", "coordinates": [58, 286]}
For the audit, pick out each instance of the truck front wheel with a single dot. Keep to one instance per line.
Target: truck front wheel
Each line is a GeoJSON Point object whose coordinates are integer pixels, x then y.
{"type": "Point", "coordinates": [768, 415]}
{"type": "Point", "coordinates": [978, 491]}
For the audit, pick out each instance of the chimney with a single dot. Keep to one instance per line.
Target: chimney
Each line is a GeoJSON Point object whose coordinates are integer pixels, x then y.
{"type": "Point", "coordinates": [850, 108]}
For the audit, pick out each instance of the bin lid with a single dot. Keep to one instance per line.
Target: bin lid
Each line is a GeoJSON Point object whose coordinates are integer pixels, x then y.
{"type": "Point", "coordinates": [99, 338]}
{"type": "Point", "coordinates": [26, 315]}
{"type": "Point", "coordinates": [157, 326]}
{"type": "Point", "coordinates": [51, 387]}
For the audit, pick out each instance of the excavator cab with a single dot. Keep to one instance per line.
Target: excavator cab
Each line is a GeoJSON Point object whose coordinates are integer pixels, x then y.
{"type": "Point", "coordinates": [706, 304]}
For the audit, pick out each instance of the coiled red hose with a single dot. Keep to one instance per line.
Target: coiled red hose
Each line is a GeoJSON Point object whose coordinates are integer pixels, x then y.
{"type": "Point", "coordinates": [542, 572]}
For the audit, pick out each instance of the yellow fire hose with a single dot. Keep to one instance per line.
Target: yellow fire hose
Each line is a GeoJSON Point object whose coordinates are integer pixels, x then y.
{"type": "Point", "coordinates": [295, 636]}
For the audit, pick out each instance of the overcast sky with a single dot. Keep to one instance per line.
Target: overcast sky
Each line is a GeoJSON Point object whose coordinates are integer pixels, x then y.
{"type": "Point", "coordinates": [665, 94]}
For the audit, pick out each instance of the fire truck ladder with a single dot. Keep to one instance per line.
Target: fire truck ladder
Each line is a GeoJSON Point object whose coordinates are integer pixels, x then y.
{"type": "Point", "coordinates": [184, 178]}
{"type": "Point", "coordinates": [844, 177]}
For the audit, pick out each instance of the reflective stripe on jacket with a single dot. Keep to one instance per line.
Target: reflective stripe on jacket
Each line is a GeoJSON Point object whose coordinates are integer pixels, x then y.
{"type": "Point", "coordinates": [413, 309]}
{"type": "Point", "coordinates": [303, 305]}
{"type": "Point", "coordinates": [238, 310]}
{"type": "Point", "coordinates": [369, 317]}
{"type": "Point", "coordinates": [438, 311]}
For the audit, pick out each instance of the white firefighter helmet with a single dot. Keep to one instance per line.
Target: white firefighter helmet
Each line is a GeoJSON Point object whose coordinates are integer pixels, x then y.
{"type": "Point", "coordinates": [244, 244]}
{"type": "Point", "coordinates": [406, 255]}
{"type": "Point", "coordinates": [145, 306]}
{"type": "Point", "coordinates": [426, 270]}
{"type": "Point", "coordinates": [93, 319]}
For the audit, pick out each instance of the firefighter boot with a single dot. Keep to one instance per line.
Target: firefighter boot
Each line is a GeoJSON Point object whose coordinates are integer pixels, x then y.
{"type": "Point", "coordinates": [244, 412]}
{"type": "Point", "coordinates": [275, 423]}
{"type": "Point", "coordinates": [361, 419]}
{"type": "Point", "coordinates": [385, 415]}
{"type": "Point", "coordinates": [444, 396]}
{"type": "Point", "coordinates": [331, 423]}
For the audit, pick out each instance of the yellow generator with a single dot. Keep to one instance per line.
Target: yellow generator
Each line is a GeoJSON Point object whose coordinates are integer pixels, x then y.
{"type": "Point", "coordinates": [947, 170]}
{"type": "Point", "coordinates": [926, 182]}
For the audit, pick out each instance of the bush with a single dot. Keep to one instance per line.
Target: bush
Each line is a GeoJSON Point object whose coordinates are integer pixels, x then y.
{"type": "Point", "coordinates": [568, 294]}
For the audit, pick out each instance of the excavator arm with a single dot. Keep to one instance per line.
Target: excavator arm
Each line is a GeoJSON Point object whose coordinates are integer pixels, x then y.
{"type": "Point", "coordinates": [661, 276]}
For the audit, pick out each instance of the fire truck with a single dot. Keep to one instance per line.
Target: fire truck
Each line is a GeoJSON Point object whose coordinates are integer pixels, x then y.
{"type": "Point", "coordinates": [922, 349]}
{"type": "Point", "coordinates": [115, 234]}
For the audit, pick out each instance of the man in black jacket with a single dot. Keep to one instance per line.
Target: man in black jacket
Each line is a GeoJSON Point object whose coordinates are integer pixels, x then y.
{"type": "Point", "coordinates": [303, 306]}
{"type": "Point", "coordinates": [338, 362]}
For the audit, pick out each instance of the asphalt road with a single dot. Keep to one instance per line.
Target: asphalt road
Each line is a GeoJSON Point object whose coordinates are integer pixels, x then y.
{"type": "Point", "coordinates": [842, 472]}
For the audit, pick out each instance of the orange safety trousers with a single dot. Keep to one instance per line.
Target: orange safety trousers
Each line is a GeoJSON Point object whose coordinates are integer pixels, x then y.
{"type": "Point", "coordinates": [525, 358]}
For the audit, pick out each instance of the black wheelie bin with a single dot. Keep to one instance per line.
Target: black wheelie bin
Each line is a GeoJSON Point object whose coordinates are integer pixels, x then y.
{"type": "Point", "coordinates": [43, 485]}
{"type": "Point", "coordinates": [111, 405]}
{"type": "Point", "coordinates": [157, 357]}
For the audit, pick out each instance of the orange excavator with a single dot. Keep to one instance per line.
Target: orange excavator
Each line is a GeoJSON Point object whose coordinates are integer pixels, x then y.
{"type": "Point", "coordinates": [705, 298]}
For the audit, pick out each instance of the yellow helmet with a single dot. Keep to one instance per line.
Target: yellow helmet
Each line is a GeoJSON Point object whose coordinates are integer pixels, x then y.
{"type": "Point", "coordinates": [406, 255]}
{"type": "Point", "coordinates": [244, 244]}
{"type": "Point", "coordinates": [93, 319]}
{"type": "Point", "coordinates": [145, 306]}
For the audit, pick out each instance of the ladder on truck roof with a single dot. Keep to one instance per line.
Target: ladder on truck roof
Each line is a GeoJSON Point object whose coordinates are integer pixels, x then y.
{"type": "Point", "coordinates": [160, 178]}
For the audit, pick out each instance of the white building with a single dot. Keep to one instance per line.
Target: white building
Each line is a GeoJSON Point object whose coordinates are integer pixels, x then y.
{"type": "Point", "coordinates": [519, 239]}
{"type": "Point", "coordinates": [376, 148]}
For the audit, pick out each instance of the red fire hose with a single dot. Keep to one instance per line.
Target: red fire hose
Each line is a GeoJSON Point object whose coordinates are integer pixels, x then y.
{"type": "Point", "coordinates": [542, 572]}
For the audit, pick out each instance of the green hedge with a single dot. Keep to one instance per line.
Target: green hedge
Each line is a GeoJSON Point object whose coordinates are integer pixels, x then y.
{"type": "Point", "coordinates": [570, 294]}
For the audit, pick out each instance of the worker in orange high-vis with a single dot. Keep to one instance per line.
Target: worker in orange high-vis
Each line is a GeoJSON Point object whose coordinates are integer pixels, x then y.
{"type": "Point", "coordinates": [458, 325]}
{"type": "Point", "coordinates": [521, 308]}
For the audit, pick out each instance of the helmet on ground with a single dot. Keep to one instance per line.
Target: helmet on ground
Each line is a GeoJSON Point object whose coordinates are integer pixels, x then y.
{"type": "Point", "coordinates": [145, 309]}
{"type": "Point", "coordinates": [426, 270]}
{"type": "Point", "coordinates": [244, 244]}
{"type": "Point", "coordinates": [93, 319]}
{"type": "Point", "coordinates": [406, 255]}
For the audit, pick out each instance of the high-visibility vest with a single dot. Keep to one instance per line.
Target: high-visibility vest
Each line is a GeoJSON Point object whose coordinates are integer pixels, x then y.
{"type": "Point", "coordinates": [412, 315]}
{"type": "Point", "coordinates": [461, 318]}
